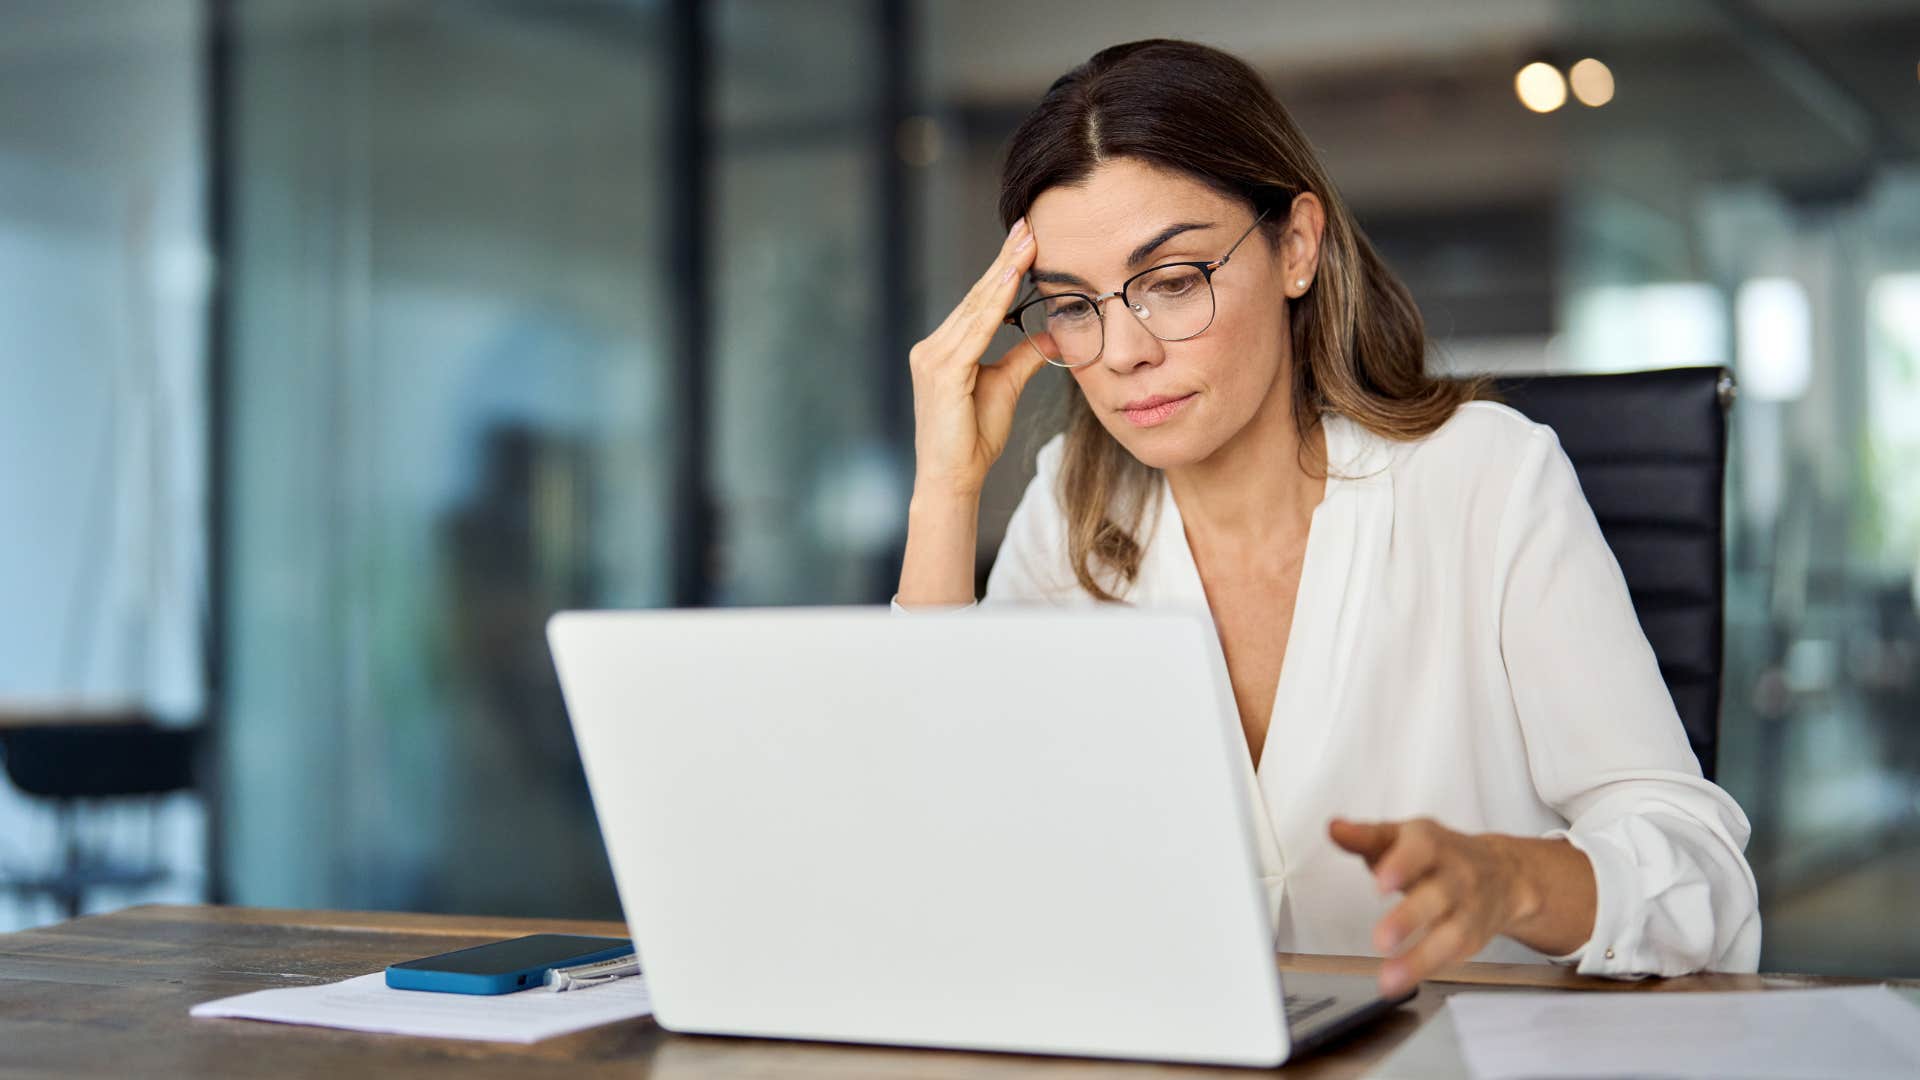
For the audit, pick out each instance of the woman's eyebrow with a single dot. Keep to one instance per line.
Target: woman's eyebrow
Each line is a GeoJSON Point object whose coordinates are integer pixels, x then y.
{"type": "Point", "coordinates": [1139, 254]}
{"type": "Point", "coordinates": [1134, 259]}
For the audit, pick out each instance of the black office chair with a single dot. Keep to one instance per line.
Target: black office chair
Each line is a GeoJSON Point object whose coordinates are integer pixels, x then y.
{"type": "Point", "coordinates": [1650, 448]}
{"type": "Point", "coordinates": [70, 764]}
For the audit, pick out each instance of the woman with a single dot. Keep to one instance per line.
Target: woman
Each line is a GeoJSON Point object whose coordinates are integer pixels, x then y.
{"type": "Point", "coordinates": [1461, 743]}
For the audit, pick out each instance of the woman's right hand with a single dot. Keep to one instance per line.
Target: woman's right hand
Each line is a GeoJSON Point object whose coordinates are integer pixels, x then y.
{"type": "Point", "coordinates": [963, 410]}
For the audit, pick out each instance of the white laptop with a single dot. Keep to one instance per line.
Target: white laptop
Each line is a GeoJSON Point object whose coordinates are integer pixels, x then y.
{"type": "Point", "coordinates": [1014, 831]}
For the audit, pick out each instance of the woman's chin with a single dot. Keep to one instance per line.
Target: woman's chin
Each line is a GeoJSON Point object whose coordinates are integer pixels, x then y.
{"type": "Point", "coordinates": [1164, 449]}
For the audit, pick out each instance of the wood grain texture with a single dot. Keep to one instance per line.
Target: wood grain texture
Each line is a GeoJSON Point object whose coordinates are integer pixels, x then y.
{"type": "Point", "coordinates": [108, 996]}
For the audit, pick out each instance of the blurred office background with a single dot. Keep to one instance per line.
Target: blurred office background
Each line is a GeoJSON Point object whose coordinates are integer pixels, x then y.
{"type": "Point", "coordinates": [341, 341]}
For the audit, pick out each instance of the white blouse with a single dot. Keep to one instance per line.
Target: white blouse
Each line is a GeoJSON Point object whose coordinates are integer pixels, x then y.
{"type": "Point", "coordinates": [1463, 648]}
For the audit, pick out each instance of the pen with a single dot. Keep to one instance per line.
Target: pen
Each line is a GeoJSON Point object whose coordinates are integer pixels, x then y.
{"type": "Point", "coordinates": [581, 976]}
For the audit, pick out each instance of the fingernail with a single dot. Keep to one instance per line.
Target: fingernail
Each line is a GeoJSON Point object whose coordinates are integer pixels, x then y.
{"type": "Point", "coordinates": [1007, 274]}
{"type": "Point", "coordinates": [1015, 230]}
{"type": "Point", "coordinates": [1388, 883]}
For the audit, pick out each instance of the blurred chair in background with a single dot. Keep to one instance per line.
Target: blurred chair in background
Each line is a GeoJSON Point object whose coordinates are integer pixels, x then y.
{"type": "Point", "coordinates": [77, 759]}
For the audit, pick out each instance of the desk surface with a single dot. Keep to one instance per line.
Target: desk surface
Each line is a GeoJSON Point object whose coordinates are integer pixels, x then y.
{"type": "Point", "coordinates": [109, 995]}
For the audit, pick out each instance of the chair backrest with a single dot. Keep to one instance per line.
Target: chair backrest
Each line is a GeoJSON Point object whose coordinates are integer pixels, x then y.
{"type": "Point", "coordinates": [1650, 449]}
{"type": "Point", "coordinates": [91, 761]}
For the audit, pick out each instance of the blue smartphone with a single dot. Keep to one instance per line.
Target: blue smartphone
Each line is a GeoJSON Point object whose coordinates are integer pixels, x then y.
{"type": "Point", "coordinates": [504, 966]}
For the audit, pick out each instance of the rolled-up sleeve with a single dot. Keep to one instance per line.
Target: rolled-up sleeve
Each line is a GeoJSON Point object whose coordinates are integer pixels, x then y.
{"type": "Point", "coordinates": [1606, 747]}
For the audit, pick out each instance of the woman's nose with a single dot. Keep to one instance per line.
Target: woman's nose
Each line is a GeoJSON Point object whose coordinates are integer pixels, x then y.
{"type": "Point", "coordinates": [1130, 345]}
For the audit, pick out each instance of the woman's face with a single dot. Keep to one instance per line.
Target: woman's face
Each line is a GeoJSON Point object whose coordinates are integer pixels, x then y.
{"type": "Point", "coordinates": [1173, 403]}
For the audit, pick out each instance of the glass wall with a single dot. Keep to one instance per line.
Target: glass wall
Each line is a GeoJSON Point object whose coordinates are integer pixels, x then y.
{"type": "Point", "coordinates": [104, 280]}
{"type": "Point", "coordinates": [450, 406]}
{"type": "Point", "coordinates": [802, 359]}
{"type": "Point", "coordinates": [469, 242]}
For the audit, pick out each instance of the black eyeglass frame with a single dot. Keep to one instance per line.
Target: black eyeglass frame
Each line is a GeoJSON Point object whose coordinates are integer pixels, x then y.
{"type": "Point", "coordinates": [1098, 303]}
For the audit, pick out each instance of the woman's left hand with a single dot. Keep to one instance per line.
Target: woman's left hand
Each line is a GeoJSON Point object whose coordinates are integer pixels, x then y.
{"type": "Point", "coordinates": [1460, 890]}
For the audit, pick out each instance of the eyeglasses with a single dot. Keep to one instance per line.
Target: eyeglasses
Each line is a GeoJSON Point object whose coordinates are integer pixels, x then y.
{"type": "Point", "coordinates": [1173, 301]}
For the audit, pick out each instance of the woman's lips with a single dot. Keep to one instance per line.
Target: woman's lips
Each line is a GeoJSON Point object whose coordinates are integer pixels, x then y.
{"type": "Point", "coordinates": [1159, 411]}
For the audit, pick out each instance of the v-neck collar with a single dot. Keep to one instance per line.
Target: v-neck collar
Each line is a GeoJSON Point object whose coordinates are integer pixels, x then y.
{"type": "Point", "coordinates": [1356, 469]}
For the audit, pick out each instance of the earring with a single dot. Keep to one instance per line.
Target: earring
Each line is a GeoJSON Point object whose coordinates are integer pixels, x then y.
{"type": "Point", "coordinates": [1300, 283]}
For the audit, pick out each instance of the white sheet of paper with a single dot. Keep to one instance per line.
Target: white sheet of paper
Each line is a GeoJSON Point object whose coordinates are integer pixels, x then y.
{"type": "Point", "coordinates": [366, 1003]}
{"type": "Point", "coordinates": [1866, 1031]}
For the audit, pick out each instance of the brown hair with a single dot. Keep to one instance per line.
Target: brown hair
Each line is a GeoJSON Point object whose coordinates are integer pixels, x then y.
{"type": "Point", "coordinates": [1359, 344]}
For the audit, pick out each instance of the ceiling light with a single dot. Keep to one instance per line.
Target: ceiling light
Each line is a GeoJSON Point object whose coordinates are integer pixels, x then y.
{"type": "Point", "coordinates": [1540, 87]}
{"type": "Point", "coordinates": [1592, 82]}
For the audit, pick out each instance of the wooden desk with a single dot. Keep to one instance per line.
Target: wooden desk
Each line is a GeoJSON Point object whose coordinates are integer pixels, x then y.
{"type": "Point", "coordinates": [108, 996]}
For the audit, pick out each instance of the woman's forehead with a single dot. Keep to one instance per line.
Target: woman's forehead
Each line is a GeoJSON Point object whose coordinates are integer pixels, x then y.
{"type": "Point", "coordinates": [1124, 189]}
{"type": "Point", "coordinates": [1096, 224]}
